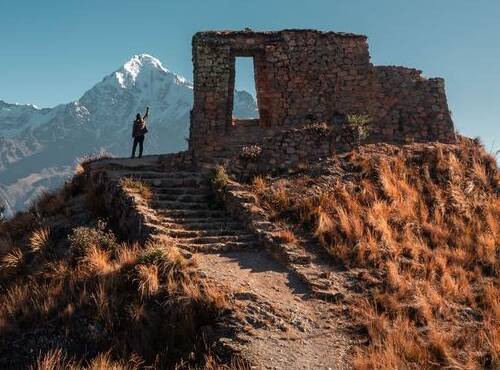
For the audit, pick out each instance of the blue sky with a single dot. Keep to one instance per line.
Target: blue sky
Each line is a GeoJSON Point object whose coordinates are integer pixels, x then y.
{"type": "Point", "coordinates": [52, 51]}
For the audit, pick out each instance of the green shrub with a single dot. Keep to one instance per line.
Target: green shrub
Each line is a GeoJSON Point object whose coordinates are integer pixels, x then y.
{"type": "Point", "coordinates": [153, 256]}
{"type": "Point", "coordinates": [218, 177]}
{"type": "Point", "coordinates": [360, 123]}
{"type": "Point", "coordinates": [82, 238]}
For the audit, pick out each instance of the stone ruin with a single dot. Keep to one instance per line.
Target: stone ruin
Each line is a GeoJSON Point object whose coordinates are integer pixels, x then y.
{"type": "Point", "coordinates": [305, 78]}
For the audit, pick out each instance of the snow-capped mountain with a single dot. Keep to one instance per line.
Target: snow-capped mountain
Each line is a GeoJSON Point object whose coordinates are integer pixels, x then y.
{"type": "Point", "coordinates": [38, 147]}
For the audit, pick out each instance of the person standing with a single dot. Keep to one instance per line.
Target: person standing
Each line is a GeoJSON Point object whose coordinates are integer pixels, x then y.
{"type": "Point", "coordinates": [138, 131]}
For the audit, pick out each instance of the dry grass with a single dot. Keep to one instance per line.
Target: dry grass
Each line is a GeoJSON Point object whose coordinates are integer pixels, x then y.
{"type": "Point", "coordinates": [259, 184]}
{"type": "Point", "coordinates": [143, 304]}
{"type": "Point", "coordinates": [286, 236]}
{"type": "Point", "coordinates": [138, 187]}
{"type": "Point", "coordinates": [40, 239]}
{"type": "Point", "coordinates": [12, 259]}
{"type": "Point", "coordinates": [426, 221]}
{"type": "Point", "coordinates": [82, 162]}
{"type": "Point", "coordinates": [57, 359]}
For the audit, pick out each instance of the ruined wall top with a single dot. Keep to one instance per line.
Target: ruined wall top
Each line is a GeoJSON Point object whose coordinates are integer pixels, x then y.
{"type": "Point", "coordinates": [228, 34]}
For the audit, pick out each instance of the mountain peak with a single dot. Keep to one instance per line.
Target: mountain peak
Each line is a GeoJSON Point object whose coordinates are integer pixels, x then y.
{"type": "Point", "coordinates": [137, 65]}
{"type": "Point", "coordinates": [140, 61]}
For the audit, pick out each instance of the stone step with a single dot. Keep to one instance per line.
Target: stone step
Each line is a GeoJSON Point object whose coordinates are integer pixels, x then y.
{"type": "Point", "coordinates": [172, 205]}
{"type": "Point", "coordinates": [201, 223]}
{"type": "Point", "coordinates": [195, 198]}
{"type": "Point", "coordinates": [175, 183]}
{"type": "Point", "coordinates": [247, 238]}
{"type": "Point", "coordinates": [149, 175]}
{"type": "Point", "coordinates": [186, 190]}
{"type": "Point", "coordinates": [195, 233]}
{"type": "Point", "coordinates": [216, 247]}
{"type": "Point", "coordinates": [190, 213]}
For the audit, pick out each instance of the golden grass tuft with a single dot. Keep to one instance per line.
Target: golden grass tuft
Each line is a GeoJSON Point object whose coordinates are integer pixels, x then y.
{"type": "Point", "coordinates": [286, 236]}
{"type": "Point", "coordinates": [259, 184]}
{"type": "Point", "coordinates": [13, 259]}
{"type": "Point", "coordinates": [147, 280]}
{"type": "Point", "coordinates": [57, 359]}
{"type": "Point", "coordinates": [52, 360]}
{"type": "Point", "coordinates": [40, 239]}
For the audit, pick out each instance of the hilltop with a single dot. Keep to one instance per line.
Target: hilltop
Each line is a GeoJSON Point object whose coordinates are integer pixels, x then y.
{"type": "Point", "coordinates": [384, 257]}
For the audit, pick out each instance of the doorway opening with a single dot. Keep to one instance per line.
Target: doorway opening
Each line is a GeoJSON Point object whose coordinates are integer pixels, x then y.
{"type": "Point", "coordinates": [245, 105]}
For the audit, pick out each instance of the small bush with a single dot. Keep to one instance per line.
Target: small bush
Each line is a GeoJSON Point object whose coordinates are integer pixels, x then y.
{"type": "Point", "coordinates": [164, 255]}
{"type": "Point", "coordinates": [13, 259]}
{"type": "Point", "coordinates": [259, 184]}
{"type": "Point", "coordinates": [250, 152]}
{"type": "Point", "coordinates": [360, 125]}
{"type": "Point", "coordinates": [153, 256]}
{"type": "Point", "coordinates": [83, 238]}
{"type": "Point", "coordinates": [218, 178]}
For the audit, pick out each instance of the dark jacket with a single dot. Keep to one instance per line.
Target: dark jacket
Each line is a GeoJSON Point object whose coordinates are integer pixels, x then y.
{"type": "Point", "coordinates": [139, 127]}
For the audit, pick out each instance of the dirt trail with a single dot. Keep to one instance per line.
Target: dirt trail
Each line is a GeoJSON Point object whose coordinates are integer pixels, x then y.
{"type": "Point", "coordinates": [281, 326]}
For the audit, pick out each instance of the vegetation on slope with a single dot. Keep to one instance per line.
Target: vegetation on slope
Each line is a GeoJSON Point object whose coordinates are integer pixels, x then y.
{"type": "Point", "coordinates": [73, 295]}
{"type": "Point", "coordinates": [422, 225]}
{"type": "Point", "coordinates": [137, 186]}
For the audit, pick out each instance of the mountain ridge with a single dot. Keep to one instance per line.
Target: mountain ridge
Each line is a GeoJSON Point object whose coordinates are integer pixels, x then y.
{"type": "Point", "coordinates": [46, 141]}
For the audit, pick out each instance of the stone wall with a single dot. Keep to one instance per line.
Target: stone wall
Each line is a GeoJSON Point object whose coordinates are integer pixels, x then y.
{"type": "Point", "coordinates": [125, 210]}
{"type": "Point", "coordinates": [305, 76]}
{"type": "Point", "coordinates": [291, 149]}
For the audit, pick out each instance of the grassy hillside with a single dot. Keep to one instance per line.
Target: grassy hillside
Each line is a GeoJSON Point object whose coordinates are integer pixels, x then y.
{"type": "Point", "coordinates": [421, 225]}
{"type": "Point", "coordinates": [418, 226]}
{"type": "Point", "coordinates": [73, 295]}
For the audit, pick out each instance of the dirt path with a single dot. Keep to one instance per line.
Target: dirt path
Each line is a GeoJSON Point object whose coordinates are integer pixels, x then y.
{"type": "Point", "coordinates": [281, 327]}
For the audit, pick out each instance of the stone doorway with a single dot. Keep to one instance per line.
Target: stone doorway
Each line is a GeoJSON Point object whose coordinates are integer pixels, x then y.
{"type": "Point", "coordinates": [244, 85]}
{"type": "Point", "coordinates": [256, 59]}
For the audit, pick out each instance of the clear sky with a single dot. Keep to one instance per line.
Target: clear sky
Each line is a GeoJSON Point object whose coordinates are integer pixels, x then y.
{"type": "Point", "coordinates": [51, 51]}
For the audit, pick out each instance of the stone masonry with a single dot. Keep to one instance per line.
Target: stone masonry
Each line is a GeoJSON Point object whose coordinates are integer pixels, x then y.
{"type": "Point", "coordinates": [306, 77]}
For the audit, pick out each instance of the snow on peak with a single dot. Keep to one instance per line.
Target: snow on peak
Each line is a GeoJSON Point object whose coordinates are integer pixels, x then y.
{"type": "Point", "coordinates": [138, 62]}
{"type": "Point", "coordinates": [131, 70]}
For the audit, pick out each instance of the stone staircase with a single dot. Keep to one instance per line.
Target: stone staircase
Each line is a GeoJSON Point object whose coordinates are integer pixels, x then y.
{"type": "Point", "coordinates": [187, 214]}
{"type": "Point", "coordinates": [276, 320]}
